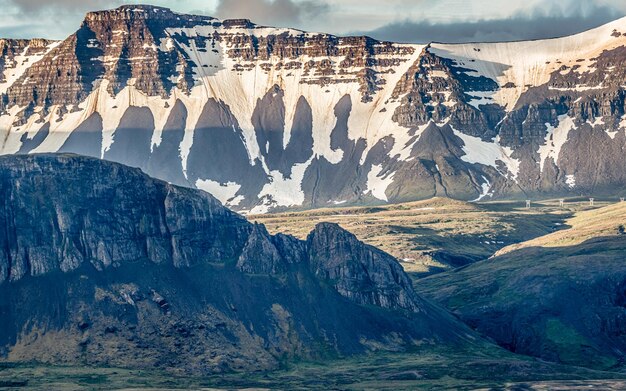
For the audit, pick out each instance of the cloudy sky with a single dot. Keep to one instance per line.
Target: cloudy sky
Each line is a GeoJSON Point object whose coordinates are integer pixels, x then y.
{"type": "Point", "coordinates": [397, 20]}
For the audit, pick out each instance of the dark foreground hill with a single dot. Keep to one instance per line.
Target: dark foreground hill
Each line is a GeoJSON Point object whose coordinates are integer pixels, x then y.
{"type": "Point", "coordinates": [561, 297]}
{"type": "Point", "coordinates": [102, 265]}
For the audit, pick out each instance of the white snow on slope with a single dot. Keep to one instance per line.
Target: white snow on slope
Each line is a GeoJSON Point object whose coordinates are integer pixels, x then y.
{"type": "Point", "coordinates": [405, 153]}
{"type": "Point", "coordinates": [612, 134]}
{"type": "Point", "coordinates": [478, 151]}
{"type": "Point", "coordinates": [532, 62]}
{"type": "Point", "coordinates": [9, 139]}
{"type": "Point", "coordinates": [283, 191]}
{"type": "Point", "coordinates": [555, 139]}
{"type": "Point", "coordinates": [486, 186]}
{"type": "Point", "coordinates": [571, 181]}
{"type": "Point", "coordinates": [376, 184]}
{"type": "Point", "coordinates": [223, 192]}
{"type": "Point", "coordinates": [242, 90]}
{"type": "Point", "coordinates": [481, 98]}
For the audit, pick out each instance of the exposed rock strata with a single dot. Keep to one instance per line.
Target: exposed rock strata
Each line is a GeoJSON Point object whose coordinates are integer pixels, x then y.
{"type": "Point", "coordinates": [269, 119]}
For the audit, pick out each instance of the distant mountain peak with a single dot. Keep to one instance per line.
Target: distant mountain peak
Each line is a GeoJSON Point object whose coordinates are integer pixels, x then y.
{"type": "Point", "coordinates": [275, 118]}
{"type": "Point", "coordinates": [134, 12]}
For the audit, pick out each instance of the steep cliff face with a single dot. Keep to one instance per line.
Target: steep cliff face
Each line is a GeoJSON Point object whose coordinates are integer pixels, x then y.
{"type": "Point", "coordinates": [17, 56]}
{"type": "Point", "coordinates": [266, 118]}
{"type": "Point", "coordinates": [100, 264]}
{"type": "Point", "coordinates": [358, 271]}
{"type": "Point", "coordinates": [51, 224]}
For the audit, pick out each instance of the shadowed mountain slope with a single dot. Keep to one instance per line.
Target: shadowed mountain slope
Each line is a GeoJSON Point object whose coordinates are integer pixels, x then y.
{"type": "Point", "coordinates": [102, 265]}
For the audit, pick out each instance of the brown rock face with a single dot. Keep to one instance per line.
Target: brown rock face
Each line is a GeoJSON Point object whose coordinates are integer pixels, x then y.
{"type": "Point", "coordinates": [130, 45]}
{"type": "Point", "coordinates": [434, 89]}
{"type": "Point", "coordinates": [12, 48]}
{"type": "Point", "coordinates": [119, 46]}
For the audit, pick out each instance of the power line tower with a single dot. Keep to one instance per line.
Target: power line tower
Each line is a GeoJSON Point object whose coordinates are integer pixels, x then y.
{"type": "Point", "coordinates": [527, 204]}
{"type": "Point", "coordinates": [561, 203]}
{"type": "Point", "coordinates": [591, 201]}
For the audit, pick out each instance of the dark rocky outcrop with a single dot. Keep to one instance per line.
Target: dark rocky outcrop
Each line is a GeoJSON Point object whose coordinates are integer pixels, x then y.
{"type": "Point", "coordinates": [102, 265]}
{"type": "Point", "coordinates": [358, 271]}
{"type": "Point", "coordinates": [260, 255]}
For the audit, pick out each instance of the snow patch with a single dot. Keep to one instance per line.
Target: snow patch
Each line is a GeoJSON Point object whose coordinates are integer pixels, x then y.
{"type": "Point", "coordinates": [486, 186]}
{"type": "Point", "coordinates": [439, 74]}
{"type": "Point", "coordinates": [521, 65]}
{"type": "Point", "coordinates": [283, 191]}
{"type": "Point", "coordinates": [478, 151]}
{"type": "Point", "coordinates": [571, 181]}
{"type": "Point", "coordinates": [377, 185]}
{"type": "Point", "coordinates": [404, 154]}
{"type": "Point", "coordinates": [223, 192]}
{"type": "Point", "coordinates": [236, 201]}
{"type": "Point", "coordinates": [15, 69]}
{"type": "Point", "coordinates": [555, 139]}
{"type": "Point", "coordinates": [484, 98]}
{"type": "Point", "coordinates": [577, 88]}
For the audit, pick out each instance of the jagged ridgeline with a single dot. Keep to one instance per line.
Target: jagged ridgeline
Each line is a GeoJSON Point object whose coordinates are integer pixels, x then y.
{"type": "Point", "coordinates": [266, 118]}
{"type": "Point", "coordinates": [102, 265]}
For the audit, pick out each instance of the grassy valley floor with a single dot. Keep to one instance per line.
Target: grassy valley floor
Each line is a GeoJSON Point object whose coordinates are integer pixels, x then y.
{"type": "Point", "coordinates": [438, 234]}
{"type": "Point", "coordinates": [430, 368]}
{"type": "Point", "coordinates": [428, 235]}
{"type": "Point", "coordinates": [561, 297]}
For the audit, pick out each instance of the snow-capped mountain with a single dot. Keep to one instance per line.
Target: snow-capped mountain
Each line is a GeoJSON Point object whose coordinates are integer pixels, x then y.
{"type": "Point", "coordinates": [266, 118]}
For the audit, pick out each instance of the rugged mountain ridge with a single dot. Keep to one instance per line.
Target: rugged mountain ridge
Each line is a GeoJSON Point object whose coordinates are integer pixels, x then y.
{"type": "Point", "coordinates": [111, 267]}
{"type": "Point", "coordinates": [18, 54]}
{"type": "Point", "coordinates": [267, 118]}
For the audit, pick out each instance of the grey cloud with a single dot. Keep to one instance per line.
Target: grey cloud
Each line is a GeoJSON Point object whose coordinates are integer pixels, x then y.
{"type": "Point", "coordinates": [272, 12]}
{"type": "Point", "coordinates": [38, 6]}
{"type": "Point", "coordinates": [537, 24]}
{"type": "Point", "coordinates": [54, 18]}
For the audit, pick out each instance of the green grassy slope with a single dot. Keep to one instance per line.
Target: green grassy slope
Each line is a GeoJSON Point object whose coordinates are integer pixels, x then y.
{"type": "Point", "coordinates": [437, 234]}
{"type": "Point", "coordinates": [561, 297]}
{"type": "Point", "coordinates": [427, 368]}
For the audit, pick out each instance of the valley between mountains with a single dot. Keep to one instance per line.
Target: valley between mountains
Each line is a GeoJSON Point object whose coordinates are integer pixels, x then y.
{"type": "Point", "coordinates": [125, 278]}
